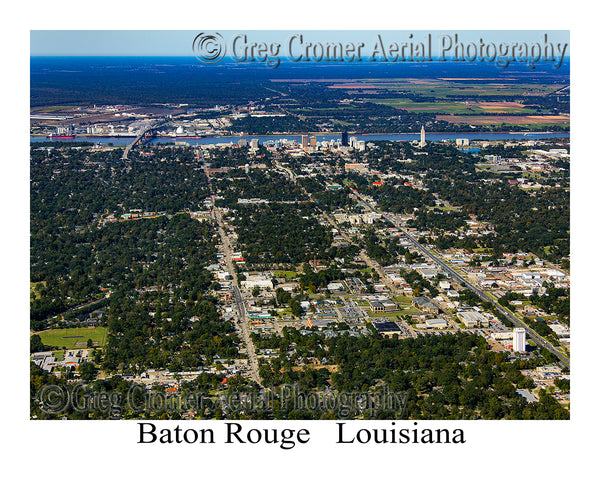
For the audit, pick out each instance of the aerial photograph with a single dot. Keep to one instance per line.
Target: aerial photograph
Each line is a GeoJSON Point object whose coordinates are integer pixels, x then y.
{"type": "Point", "coordinates": [300, 225]}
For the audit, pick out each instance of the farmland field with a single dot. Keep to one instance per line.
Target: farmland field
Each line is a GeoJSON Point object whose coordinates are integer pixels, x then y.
{"type": "Point", "coordinates": [508, 119]}
{"type": "Point", "coordinates": [455, 107]}
{"type": "Point", "coordinates": [441, 88]}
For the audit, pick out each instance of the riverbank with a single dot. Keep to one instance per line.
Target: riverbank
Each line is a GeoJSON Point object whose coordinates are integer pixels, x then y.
{"type": "Point", "coordinates": [224, 139]}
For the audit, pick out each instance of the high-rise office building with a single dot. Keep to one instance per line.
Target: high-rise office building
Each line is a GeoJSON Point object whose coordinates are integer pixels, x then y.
{"type": "Point", "coordinates": [422, 142]}
{"type": "Point", "coordinates": [313, 142]}
{"type": "Point", "coordinates": [519, 340]}
{"type": "Point", "coordinates": [344, 139]}
{"type": "Point", "coordinates": [304, 141]}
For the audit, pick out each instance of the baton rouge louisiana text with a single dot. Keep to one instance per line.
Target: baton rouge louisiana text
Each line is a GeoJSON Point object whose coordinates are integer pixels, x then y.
{"type": "Point", "coordinates": [288, 438]}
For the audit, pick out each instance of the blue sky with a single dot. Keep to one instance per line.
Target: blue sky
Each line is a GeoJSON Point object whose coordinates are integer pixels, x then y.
{"type": "Point", "coordinates": [179, 42]}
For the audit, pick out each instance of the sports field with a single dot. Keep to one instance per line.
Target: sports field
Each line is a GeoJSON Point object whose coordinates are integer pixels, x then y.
{"type": "Point", "coordinates": [73, 337]}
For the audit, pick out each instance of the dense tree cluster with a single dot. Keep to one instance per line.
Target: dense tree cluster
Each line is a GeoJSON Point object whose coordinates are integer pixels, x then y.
{"type": "Point", "coordinates": [272, 186]}
{"type": "Point", "coordinates": [157, 330]}
{"type": "Point", "coordinates": [449, 377]}
{"type": "Point", "coordinates": [280, 234]}
{"type": "Point", "coordinates": [398, 198]}
{"type": "Point", "coordinates": [74, 254]}
{"type": "Point", "coordinates": [438, 221]}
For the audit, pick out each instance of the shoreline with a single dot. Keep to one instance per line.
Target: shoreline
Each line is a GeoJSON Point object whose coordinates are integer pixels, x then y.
{"type": "Point", "coordinates": [320, 134]}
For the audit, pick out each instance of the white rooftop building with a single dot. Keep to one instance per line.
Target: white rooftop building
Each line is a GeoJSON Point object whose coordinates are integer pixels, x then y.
{"type": "Point", "coordinates": [519, 340]}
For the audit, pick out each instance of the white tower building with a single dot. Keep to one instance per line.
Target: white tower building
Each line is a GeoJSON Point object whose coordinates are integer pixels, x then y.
{"type": "Point", "coordinates": [422, 142]}
{"type": "Point", "coordinates": [519, 340]}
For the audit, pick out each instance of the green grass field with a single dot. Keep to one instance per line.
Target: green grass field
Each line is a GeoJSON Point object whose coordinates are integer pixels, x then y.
{"type": "Point", "coordinates": [405, 304]}
{"type": "Point", "coordinates": [410, 311]}
{"type": "Point", "coordinates": [51, 109]}
{"type": "Point", "coordinates": [402, 300]}
{"type": "Point", "coordinates": [287, 274]}
{"type": "Point", "coordinates": [391, 315]}
{"type": "Point", "coordinates": [444, 209]}
{"type": "Point", "coordinates": [73, 337]}
{"type": "Point", "coordinates": [444, 88]}
{"type": "Point", "coordinates": [448, 107]}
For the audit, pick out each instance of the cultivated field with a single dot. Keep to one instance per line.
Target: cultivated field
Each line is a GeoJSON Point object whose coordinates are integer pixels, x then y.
{"type": "Point", "coordinates": [442, 88]}
{"type": "Point", "coordinates": [509, 120]}
{"type": "Point", "coordinates": [455, 107]}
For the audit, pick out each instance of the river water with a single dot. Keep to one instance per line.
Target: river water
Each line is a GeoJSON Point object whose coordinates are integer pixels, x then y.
{"type": "Point", "coordinates": [233, 139]}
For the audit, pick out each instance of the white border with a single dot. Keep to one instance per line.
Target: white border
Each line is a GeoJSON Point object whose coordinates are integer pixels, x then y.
{"type": "Point", "coordinates": [494, 449]}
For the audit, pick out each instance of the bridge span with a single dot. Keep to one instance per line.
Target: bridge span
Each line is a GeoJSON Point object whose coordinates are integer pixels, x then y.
{"type": "Point", "coordinates": [147, 130]}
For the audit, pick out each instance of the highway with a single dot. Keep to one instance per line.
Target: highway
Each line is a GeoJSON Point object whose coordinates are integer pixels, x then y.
{"type": "Point", "coordinates": [287, 171]}
{"type": "Point", "coordinates": [512, 318]}
{"type": "Point", "coordinates": [563, 360]}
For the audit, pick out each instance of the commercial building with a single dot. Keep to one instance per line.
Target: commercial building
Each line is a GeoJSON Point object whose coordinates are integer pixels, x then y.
{"type": "Point", "coordinates": [359, 167]}
{"type": "Point", "coordinates": [471, 319]}
{"type": "Point", "coordinates": [385, 305]}
{"type": "Point", "coordinates": [436, 323]}
{"type": "Point", "coordinates": [502, 335]}
{"type": "Point", "coordinates": [344, 139]}
{"type": "Point", "coordinates": [261, 281]}
{"type": "Point", "coordinates": [519, 340]}
{"type": "Point", "coordinates": [426, 304]}
{"type": "Point", "coordinates": [386, 327]}
{"type": "Point", "coordinates": [335, 286]}
{"type": "Point", "coordinates": [376, 306]}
